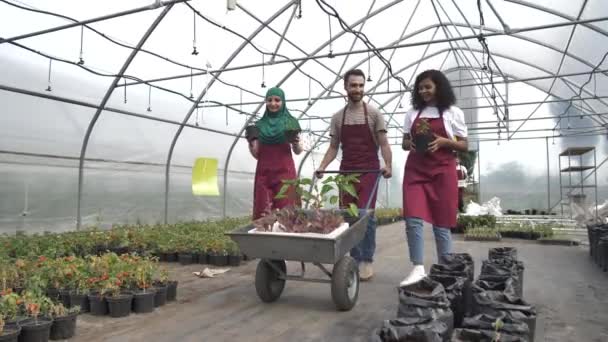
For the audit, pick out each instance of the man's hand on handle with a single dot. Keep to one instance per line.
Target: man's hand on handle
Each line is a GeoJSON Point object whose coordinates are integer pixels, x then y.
{"type": "Point", "coordinates": [386, 172]}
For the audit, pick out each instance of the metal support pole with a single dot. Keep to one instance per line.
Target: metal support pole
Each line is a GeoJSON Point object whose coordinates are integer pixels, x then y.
{"type": "Point", "coordinates": [595, 175]}
{"type": "Point", "coordinates": [561, 195]}
{"type": "Point", "coordinates": [479, 172]}
{"type": "Point", "coordinates": [548, 178]}
{"type": "Point", "coordinates": [104, 101]}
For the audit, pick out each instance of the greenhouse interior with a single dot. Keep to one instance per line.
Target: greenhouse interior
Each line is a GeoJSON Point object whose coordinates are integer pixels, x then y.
{"type": "Point", "coordinates": [142, 140]}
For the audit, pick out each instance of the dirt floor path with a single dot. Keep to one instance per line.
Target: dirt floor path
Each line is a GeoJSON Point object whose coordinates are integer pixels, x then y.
{"type": "Point", "coordinates": [570, 295]}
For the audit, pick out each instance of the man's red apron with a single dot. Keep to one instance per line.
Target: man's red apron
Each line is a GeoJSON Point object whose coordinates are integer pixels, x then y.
{"type": "Point", "coordinates": [430, 185]}
{"type": "Point", "coordinates": [275, 164]}
{"type": "Point", "coordinates": [359, 152]}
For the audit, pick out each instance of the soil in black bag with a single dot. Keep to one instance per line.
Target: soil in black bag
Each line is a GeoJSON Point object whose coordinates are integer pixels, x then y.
{"type": "Point", "coordinates": [501, 270]}
{"type": "Point", "coordinates": [502, 253]}
{"type": "Point", "coordinates": [427, 299]}
{"type": "Point", "coordinates": [411, 329]}
{"type": "Point", "coordinates": [461, 258]}
{"type": "Point", "coordinates": [454, 288]}
{"type": "Point", "coordinates": [472, 335]}
{"type": "Point", "coordinates": [488, 322]}
{"type": "Point", "coordinates": [497, 303]}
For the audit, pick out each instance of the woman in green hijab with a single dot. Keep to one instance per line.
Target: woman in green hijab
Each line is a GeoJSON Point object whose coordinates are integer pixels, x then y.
{"type": "Point", "coordinates": [271, 142]}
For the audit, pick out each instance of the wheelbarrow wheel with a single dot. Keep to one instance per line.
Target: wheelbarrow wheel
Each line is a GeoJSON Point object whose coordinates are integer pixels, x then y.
{"type": "Point", "coordinates": [345, 283]}
{"type": "Point", "coordinates": [268, 283]}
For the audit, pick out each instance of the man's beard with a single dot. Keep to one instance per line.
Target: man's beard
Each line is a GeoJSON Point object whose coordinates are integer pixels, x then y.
{"type": "Point", "coordinates": [355, 97]}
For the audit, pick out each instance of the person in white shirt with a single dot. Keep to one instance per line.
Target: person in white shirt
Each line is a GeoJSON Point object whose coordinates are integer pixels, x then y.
{"type": "Point", "coordinates": [433, 130]}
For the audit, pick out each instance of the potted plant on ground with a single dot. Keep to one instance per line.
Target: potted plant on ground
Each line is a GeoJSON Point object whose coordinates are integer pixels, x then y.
{"type": "Point", "coordinates": [8, 333]}
{"type": "Point", "coordinates": [119, 302]}
{"type": "Point", "coordinates": [36, 328]}
{"type": "Point", "coordinates": [64, 321]}
{"type": "Point", "coordinates": [10, 308]}
{"type": "Point", "coordinates": [161, 286]}
{"type": "Point", "coordinates": [143, 298]}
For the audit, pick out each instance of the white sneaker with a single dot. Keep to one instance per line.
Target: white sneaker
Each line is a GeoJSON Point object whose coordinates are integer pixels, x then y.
{"type": "Point", "coordinates": [366, 271]}
{"type": "Point", "coordinates": [415, 276]}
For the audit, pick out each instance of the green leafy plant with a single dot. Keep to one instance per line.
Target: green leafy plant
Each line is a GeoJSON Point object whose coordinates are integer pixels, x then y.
{"type": "Point", "coordinates": [423, 127]}
{"type": "Point", "coordinates": [498, 325]}
{"type": "Point", "coordinates": [316, 196]}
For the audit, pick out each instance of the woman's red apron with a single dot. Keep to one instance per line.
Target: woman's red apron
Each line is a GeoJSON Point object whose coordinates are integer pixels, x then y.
{"type": "Point", "coordinates": [430, 184]}
{"type": "Point", "coordinates": [275, 164]}
{"type": "Point", "coordinates": [359, 152]}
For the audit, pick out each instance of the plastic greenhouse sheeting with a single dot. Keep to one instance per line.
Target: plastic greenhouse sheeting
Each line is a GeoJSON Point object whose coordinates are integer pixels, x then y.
{"type": "Point", "coordinates": [101, 121]}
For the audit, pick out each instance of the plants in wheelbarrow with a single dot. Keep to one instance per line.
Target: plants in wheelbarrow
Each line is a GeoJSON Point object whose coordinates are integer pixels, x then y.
{"type": "Point", "coordinates": [316, 220]}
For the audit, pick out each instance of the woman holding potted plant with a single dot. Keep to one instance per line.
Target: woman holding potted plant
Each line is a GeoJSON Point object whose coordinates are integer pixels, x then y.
{"type": "Point", "coordinates": [434, 128]}
{"type": "Point", "coordinates": [271, 141]}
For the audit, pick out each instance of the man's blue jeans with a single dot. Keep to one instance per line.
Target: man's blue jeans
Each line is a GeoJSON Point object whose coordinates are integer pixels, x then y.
{"type": "Point", "coordinates": [414, 230]}
{"type": "Point", "coordinates": [364, 251]}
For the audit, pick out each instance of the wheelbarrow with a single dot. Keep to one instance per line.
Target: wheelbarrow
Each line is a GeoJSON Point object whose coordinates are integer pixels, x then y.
{"type": "Point", "coordinates": [273, 250]}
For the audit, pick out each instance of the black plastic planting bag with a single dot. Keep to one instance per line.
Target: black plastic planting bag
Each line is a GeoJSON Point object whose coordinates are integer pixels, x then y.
{"type": "Point", "coordinates": [503, 269]}
{"type": "Point", "coordinates": [461, 258]}
{"type": "Point", "coordinates": [487, 322]}
{"type": "Point", "coordinates": [497, 303]}
{"type": "Point", "coordinates": [414, 329]}
{"type": "Point", "coordinates": [499, 284]}
{"type": "Point", "coordinates": [472, 335]}
{"type": "Point", "coordinates": [427, 299]}
{"type": "Point", "coordinates": [454, 288]}
{"type": "Point", "coordinates": [502, 253]}
{"type": "Point", "coordinates": [457, 270]}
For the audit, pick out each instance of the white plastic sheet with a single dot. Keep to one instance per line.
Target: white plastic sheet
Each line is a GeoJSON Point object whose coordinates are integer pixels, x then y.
{"type": "Point", "coordinates": [491, 207]}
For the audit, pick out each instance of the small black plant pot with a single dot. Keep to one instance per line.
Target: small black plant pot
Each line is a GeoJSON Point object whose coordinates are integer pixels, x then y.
{"type": "Point", "coordinates": [218, 259]}
{"type": "Point", "coordinates": [52, 293]}
{"type": "Point", "coordinates": [162, 257]}
{"type": "Point", "coordinates": [160, 297]}
{"type": "Point", "coordinates": [185, 258]}
{"type": "Point", "coordinates": [422, 142]}
{"type": "Point", "coordinates": [171, 257]}
{"type": "Point", "coordinates": [64, 297]}
{"type": "Point", "coordinates": [63, 327]}
{"type": "Point", "coordinates": [120, 306]}
{"type": "Point", "coordinates": [251, 132]}
{"type": "Point", "coordinates": [234, 260]}
{"type": "Point", "coordinates": [143, 302]}
{"type": "Point", "coordinates": [203, 258]}
{"type": "Point", "coordinates": [81, 300]}
{"type": "Point", "coordinates": [10, 333]}
{"type": "Point", "coordinates": [291, 135]}
{"type": "Point", "coordinates": [98, 305]}
{"type": "Point", "coordinates": [36, 330]}
{"type": "Point", "coordinates": [171, 291]}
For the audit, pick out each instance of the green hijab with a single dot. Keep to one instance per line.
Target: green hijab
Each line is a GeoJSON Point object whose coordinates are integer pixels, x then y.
{"type": "Point", "coordinates": [272, 126]}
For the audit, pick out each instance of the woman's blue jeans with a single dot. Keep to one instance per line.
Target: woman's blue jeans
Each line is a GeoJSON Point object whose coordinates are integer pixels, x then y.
{"type": "Point", "coordinates": [414, 230]}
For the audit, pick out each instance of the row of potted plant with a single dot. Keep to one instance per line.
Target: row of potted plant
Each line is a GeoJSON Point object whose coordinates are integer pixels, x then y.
{"type": "Point", "coordinates": [482, 234]}
{"type": "Point", "coordinates": [525, 231]}
{"type": "Point", "coordinates": [206, 236]}
{"type": "Point", "coordinates": [388, 215]}
{"type": "Point", "coordinates": [467, 221]}
{"type": "Point", "coordinates": [106, 284]}
{"type": "Point", "coordinates": [33, 317]}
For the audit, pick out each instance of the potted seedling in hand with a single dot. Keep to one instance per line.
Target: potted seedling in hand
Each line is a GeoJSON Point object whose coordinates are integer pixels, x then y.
{"type": "Point", "coordinates": [423, 136]}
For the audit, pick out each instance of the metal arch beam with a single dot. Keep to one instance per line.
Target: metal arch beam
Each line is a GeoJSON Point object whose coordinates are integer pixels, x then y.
{"type": "Point", "coordinates": [283, 36]}
{"type": "Point", "coordinates": [401, 38]}
{"type": "Point", "coordinates": [557, 14]}
{"type": "Point", "coordinates": [202, 94]}
{"type": "Point", "coordinates": [90, 21]}
{"type": "Point", "coordinates": [433, 55]}
{"type": "Point", "coordinates": [103, 103]}
{"type": "Point", "coordinates": [301, 62]}
{"type": "Point", "coordinates": [514, 59]}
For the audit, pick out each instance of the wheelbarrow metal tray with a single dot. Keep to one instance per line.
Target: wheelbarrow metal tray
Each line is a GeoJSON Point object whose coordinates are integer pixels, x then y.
{"type": "Point", "coordinates": [303, 248]}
